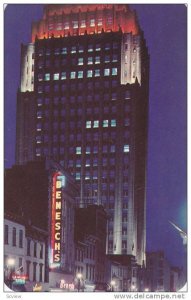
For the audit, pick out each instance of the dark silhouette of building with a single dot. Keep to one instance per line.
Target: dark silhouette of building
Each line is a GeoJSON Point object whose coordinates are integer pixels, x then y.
{"type": "Point", "coordinates": [90, 238]}
{"type": "Point", "coordinates": [83, 101]}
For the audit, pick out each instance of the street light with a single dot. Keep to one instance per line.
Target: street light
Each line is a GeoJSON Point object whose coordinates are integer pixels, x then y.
{"type": "Point", "coordinates": [79, 277]}
{"type": "Point", "coordinates": [112, 283]}
{"type": "Point", "coordinates": [11, 267]}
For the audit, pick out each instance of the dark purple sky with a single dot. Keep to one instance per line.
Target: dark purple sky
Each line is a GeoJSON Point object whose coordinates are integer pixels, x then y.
{"type": "Point", "coordinates": [165, 30]}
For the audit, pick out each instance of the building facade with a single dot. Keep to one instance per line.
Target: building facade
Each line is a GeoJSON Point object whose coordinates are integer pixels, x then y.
{"type": "Point", "coordinates": [25, 258]}
{"type": "Point", "coordinates": [83, 101]}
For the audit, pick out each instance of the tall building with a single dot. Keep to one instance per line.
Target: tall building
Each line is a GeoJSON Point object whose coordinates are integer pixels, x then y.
{"type": "Point", "coordinates": [83, 101]}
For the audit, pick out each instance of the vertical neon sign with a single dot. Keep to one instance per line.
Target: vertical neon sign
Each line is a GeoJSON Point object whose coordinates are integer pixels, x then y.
{"type": "Point", "coordinates": [58, 182]}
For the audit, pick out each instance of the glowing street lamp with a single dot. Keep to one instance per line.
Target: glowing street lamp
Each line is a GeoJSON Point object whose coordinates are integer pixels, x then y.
{"type": "Point", "coordinates": [10, 266]}
{"type": "Point", "coordinates": [79, 278]}
{"type": "Point", "coordinates": [112, 283]}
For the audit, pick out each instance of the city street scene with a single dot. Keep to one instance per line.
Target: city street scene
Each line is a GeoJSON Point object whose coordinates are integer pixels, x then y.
{"type": "Point", "coordinates": [95, 170]}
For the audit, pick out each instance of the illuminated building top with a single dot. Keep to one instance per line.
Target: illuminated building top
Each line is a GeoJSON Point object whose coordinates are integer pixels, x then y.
{"type": "Point", "coordinates": [67, 19]}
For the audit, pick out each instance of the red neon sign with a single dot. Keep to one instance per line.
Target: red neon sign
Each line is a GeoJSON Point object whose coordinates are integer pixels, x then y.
{"type": "Point", "coordinates": [57, 184]}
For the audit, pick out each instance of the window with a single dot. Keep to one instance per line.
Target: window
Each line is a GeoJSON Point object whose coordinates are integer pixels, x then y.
{"type": "Point", "coordinates": [80, 74]}
{"type": "Point", "coordinates": [90, 60]}
{"type": "Point", "coordinates": [80, 61]}
{"type": "Point", "coordinates": [75, 24]}
{"type": "Point", "coordinates": [97, 73]}
{"type": "Point", "coordinates": [114, 71]}
{"type": "Point", "coordinates": [14, 237]}
{"type": "Point", "coordinates": [20, 238]}
{"type": "Point", "coordinates": [63, 75]}
{"type": "Point", "coordinates": [35, 249]}
{"type": "Point", "coordinates": [78, 150]}
{"type": "Point", "coordinates": [112, 148]}
{"type": "Point", "coordinates": [88, 124]}
{"type": "Point", "coordinates": [73, 50]}
{"type": "Point", "coordinates": [6, 235]}
{"type": "Point", "coordinates": [114, 58]}
{"type": "Point", "coordinates": [113, 123]}
{"type": "Point", "coordinates": [81, 49]}
{"type": "Point", "coordinates": [90, 48]}
{"type": "Point", "coordinates": [73, 75]}
{"type": "Point", "coordinates": [89, 73]}
{"type": "Point", "coordinates": [100, 22]}
{"type": "Point", "coordinates": [40, 274]}
{"type": "Point", "coordinates": [107, 46]}
{"type": "Point", "coordinates": [126, 148]}
{"type": "Point", "coordinates": [98, 47]}
{"type": "Point", "coordinates": [114, 96]}
{"type": "Point", "coordinates": [56, 76]}
{"type": "Point", "coordinates": [97, 60]}
{"type": "Point", "coordinates": [92, 22]}
{"type": "Point", "coordinates": [83, 23]}
{"type": "Point", "coordinates": [47, 77]}
{"type": "Point", "coordinates": [64, 50]}
{"type": "Point", "coordinates": [88, 150]}
{"type": "Point", "coordinates": [34, 271]}
{"type": "Point", "coordinates": [78, 176]}
{"type": "Point", "coordinates": [106, 72]}
{"type": "Point", "coordinates": [96, 124]}
{"type": "Point", "coordinates": [105, 123]}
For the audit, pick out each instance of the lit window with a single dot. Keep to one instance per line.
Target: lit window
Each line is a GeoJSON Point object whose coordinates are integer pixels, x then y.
{"type": "Point", "coordinates": [88, 124]}
{"type": "Point", "coordinates": [40, 89]}
{"type": "Point", "coordinates": [107, 59]}
{"type": "Point", "coordinates": [56, 76]}
{"type": "Point", "coordinates": [114, 71]}
{"type": "Point", "coordinates": [113, 123]}
{"type": "Point", "coordinates": [78, 150]}
{"type": "Point", "coordinates": [115, 58]}
{"type": "Point", "coordinates": [81, 49]}
{"type": "Point", "coordinates": [47, 77]}
{"type": "Point", "coordinates": [97, 73]}
{"type": "Point", "coordinates": [90, 60]}
{"type": "Point", "coordinates": [80, 61]}
{"type": "Point", "coordinates": [64, 50]}
{"type": "Point", "coordinates": [73, 50]}
{"type": "Point", "coordinates": [40, 77]}
{"type": "Point", "coordinates": [88, 150]}
{"type": "Point", "coordinates": [78, 176]}
{"type": "Point", "coordinates": [126, 148]}
{"type": "Point", "coordinates": [106, 72]}
{"type": "Point", "coordinates": [80, 74]}
{"type": "Point", "coordinates": [87, 162]}
{"type": "Point", "coordinates": [39, 114]}
{"type": "Point", "coordinates": [96, 124]}
{"type": "Point", "coordinates": [75, 24]}
{"type": "Point", "coordinates": [92, 22]}
{"type": "Point", "coordinates": [83, 23]}
{"type": "Point", "coordinates": [97, 60]}
{"type": "Point", "coordinates": [100, 22]}
{"type": "Point", "coordinates": [107, 46]}
{"type": "Point", "coordinates": [73, 75]}
{"type": "Point", "coordinates": [39, 101]}
{"type": "Point", "coordinates": [98, 47]}
{"type": "Point", "coordinates": [105, 123]}
{"type": "Point", "coordinates": [66, 25]}
{"type": "Point", "coordinates": [89, 73]}
{"type": "Point", "coordinates": [109, 20]}
{"type": "Point", "coordinates": [63, 75]}
{"type": "Point", "coordinates": [90, 48]}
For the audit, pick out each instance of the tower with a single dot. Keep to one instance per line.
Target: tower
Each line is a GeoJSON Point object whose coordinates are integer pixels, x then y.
{"type": "Point", "coordinates": [83, 101]}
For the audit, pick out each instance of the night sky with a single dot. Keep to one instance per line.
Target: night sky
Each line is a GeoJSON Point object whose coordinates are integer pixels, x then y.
{"type": "Point", "coordinates": [164, 28]}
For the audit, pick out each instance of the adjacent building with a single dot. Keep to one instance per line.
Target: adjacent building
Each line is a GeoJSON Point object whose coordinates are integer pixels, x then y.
{"type": "Point", "coordinates": [83, 101]}
{"type": "Point", "coordinates": [25, 259]}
